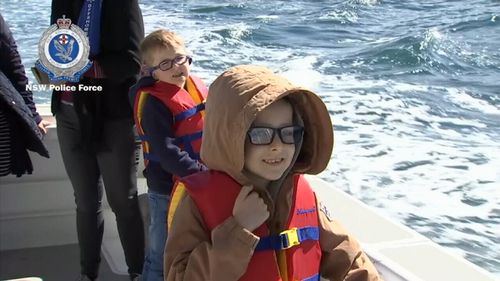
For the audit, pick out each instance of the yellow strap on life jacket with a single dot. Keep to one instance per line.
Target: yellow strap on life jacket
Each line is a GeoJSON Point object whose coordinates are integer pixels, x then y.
{"type": "Point", "coordinates": [143, 96]}
{"type": "Point", "coordinates": [283, 265]}
{"type": "Point", "coordinates": [195, 94]}
{"type": "Point", "coordinates": [177, 195]}
{"type": "Point", "coordinates": [140, 107]}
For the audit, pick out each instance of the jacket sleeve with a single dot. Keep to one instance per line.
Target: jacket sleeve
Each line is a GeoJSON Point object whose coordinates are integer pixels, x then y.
{"type": "Point", "coordinates": [13, 68]}
{"type": "Point", "coordinates": [158, 127]}
{"type": "Point", "coordinates": [191, 254]}
{"type": "Point", "coordinates": [342, 257]}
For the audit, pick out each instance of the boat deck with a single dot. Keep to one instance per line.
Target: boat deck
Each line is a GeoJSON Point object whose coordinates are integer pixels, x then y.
{"type": "Point", "coordinates": [55, 263]}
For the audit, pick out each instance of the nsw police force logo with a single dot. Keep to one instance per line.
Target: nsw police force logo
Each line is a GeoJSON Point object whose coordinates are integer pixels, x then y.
{"type": "Point", "coordinates": [64, 51]}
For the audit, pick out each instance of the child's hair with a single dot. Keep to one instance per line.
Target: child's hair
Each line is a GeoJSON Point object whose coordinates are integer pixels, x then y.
{"type": "Point", "coordinates": [159, 40]}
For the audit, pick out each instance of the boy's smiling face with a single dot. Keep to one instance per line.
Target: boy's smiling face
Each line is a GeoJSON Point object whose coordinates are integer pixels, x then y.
{"type": "Point", "coordinates": [272, 160]}
{"type": "Point", "coordinates": [176, 75]}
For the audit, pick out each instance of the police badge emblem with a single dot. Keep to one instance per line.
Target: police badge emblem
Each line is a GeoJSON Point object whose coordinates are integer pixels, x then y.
{"type": "Point", "coordinates": [63, 51]}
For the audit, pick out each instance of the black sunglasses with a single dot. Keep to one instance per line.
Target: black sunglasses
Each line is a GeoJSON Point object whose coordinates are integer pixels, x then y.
{"type": "Point", "coordinates": [169, 63]}
{"type": "Point", "coordinates": [264, 135]}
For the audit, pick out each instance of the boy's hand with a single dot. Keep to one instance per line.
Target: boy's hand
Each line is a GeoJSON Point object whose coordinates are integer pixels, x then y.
{"type": "Point", "coordinates": [249, 209]}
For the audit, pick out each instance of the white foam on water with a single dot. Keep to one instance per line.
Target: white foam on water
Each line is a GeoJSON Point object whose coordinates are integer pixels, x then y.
{"type": "Point", "coordinates": [463, 99]}
{"type": "Point", "coordinates": [239, 30]}
{"type": "Point", "coordinates": [267, 18]}
{"type": "Point", "coordinates": [301, 71]}
{"type": "Point", "coordinates": [431, 36]}
{"type": "Point", "coordinates": [343, 16]}
{"type": "Point", "coordinates": [400, 167]}
{"type": "Point", "coordinates": [405, 87]}
{"type": "Point", "coordinates": [364, 2]}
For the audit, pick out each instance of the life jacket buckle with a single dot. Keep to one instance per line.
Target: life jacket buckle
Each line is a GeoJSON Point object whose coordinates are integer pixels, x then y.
{"type": "Point", "coordinates": [289, 238]}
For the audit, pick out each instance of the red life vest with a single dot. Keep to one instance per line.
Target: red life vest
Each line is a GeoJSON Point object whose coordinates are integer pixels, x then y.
{"type": "Point", "coordinates": [297, 248]}
{"type": "Point", "coordinates": [187, 107]}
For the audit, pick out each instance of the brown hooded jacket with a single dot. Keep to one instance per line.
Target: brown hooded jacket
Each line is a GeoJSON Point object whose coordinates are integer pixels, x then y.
{"type": "Point", "coordinates": [234, 100]}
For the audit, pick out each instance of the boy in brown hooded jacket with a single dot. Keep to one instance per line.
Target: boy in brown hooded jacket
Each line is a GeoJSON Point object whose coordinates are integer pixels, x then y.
{"type": "Point", "coordinates": [253, 216]}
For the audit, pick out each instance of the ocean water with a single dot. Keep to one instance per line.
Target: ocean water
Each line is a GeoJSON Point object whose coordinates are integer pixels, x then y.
{"type": "Point", "coordinates": [412, 88]}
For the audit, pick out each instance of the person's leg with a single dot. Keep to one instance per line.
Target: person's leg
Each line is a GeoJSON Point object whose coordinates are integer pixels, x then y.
{"type": "Point", "coordinates": [118, 168]}
{"type": "Point", "coordinates": [153, 264]}
{"type": "Point", "coordinates": [83, 172]}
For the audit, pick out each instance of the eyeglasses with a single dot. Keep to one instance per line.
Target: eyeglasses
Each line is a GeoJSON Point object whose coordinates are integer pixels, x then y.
{"type": "Point", "coordinates": [264, 135]}
{"type": "Point", "coordinates": [169, 63]}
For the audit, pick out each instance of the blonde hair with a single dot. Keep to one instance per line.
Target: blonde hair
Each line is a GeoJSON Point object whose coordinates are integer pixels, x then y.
{"type": "Point", "coordinates": [159, 40]}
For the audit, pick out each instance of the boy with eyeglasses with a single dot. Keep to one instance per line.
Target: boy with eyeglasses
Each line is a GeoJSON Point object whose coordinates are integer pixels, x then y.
{"type": "Point", "coordinates": [253, 215]}
{"type": "Point", "coordinates": [169, 106]}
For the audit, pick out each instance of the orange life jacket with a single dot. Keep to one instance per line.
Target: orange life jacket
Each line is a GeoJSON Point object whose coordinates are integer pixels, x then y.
{"type": "Point", "coordinates": [187, 107]}
{"type": "Point", "coordinates": [294, 254]}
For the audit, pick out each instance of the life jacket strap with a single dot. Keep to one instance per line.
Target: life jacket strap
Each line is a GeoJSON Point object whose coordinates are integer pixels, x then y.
{"type": "Point", "coordinates": [186, 141]}
{"type": "Point", "coordinates": [189, 112]}
{"type": "Point", "coordinates": [288, 238]}
{"type": "Point", "coordinates": [151, 157]}
{"type": "Point", "coordinates": [315, 277]}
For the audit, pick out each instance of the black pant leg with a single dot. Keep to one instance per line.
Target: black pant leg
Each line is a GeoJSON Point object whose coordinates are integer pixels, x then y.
{"type": "Point", "coordinates": [118, 167]}
{"type": "Point", "coordinates": [83, 171]}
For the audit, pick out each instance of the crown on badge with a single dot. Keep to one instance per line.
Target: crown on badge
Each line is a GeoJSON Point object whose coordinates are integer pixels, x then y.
{"type": "Point", "coordinates": [64, 22]}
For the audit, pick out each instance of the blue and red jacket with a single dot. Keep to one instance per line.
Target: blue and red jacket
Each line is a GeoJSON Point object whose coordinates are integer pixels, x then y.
{"type": "Point", "coordinates": [158, 108]}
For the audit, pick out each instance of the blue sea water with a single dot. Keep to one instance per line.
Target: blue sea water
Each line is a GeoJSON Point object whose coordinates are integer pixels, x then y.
{"type": "Point", "coordinates": [412, 88]}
